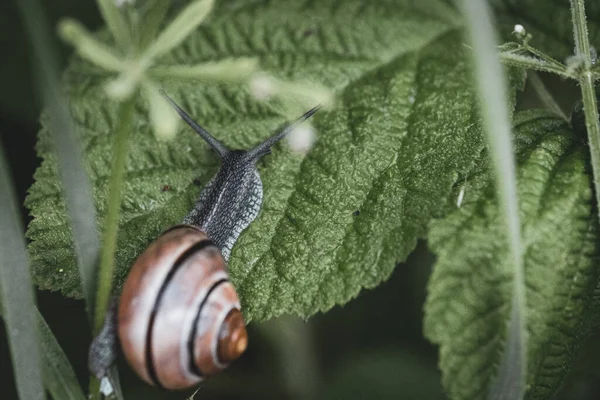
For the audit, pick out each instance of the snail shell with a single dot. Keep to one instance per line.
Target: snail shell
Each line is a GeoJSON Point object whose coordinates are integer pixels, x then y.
{"type": "Point", "coordinates": [179, 316]}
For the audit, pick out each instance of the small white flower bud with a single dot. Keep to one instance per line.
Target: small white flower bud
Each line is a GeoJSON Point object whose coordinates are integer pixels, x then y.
{"type": "Point", "coordinates": [262, 86]}
{"type": "Point", "coordinates": [302, 138]}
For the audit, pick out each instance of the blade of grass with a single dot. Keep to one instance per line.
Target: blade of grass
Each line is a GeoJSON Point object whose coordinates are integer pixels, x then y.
{"type": "Point", "coordinates": [18, 300]}
{"type": "Point", "coordinates": [59, 377]}
{"type": "Point", "coordinates": [78, 192]}
{"type": "Point", "coordinates": [511, 378]}
{"type": "Point", "coordinates": [80, 203]}
{"type": "Point", "coordinates": [588, 91]}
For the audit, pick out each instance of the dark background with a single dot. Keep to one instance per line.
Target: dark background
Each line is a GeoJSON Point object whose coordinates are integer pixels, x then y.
{"type": "Point", "coordinates": [373, 347]}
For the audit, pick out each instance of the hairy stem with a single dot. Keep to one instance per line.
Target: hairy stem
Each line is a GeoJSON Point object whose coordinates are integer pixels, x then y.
{"type": "Point", "coordinates": [109, 243]}
{"type": "Point", "coordinates": [580, 32]}
{"type": "Point", "coordinates": [511, 378]}
{"type": "Point", "coordinates": [588, 91]}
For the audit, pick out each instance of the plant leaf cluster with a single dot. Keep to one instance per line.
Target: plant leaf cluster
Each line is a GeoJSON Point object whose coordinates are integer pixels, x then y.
{"type": "Point", "coordinates": [403, 143]}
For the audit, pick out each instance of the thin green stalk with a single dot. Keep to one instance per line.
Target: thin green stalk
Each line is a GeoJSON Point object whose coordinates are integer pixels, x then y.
{"type": "Point", "coordinates": [511, 378]}
{"type": "Point", "coordinates": [545, 96]}
{"type": "Point", "coordinates": [524, 56]}
{"type": "Point", "coordinates": [111, 224]}
{"type": "Point", "coordinates": [299, 365]}
{"type": "Point", "coordinates": [588, 91]}
{"type": "Point", "coordinates": [156, 11]}
{"type": "Point", "coordinates": [293, 341]}
{"type": "Point", "coordinates": [94, 388]}
{"type": "Point", "coordinates": [526, 62]}
{"type": "Point", "coordinates": [115, 22]}
{"type": "Point", "coordinates": [16, 294]}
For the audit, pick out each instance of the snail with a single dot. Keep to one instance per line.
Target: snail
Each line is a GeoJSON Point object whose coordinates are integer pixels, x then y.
{"type": "Point", "coordinates": [178, 317]}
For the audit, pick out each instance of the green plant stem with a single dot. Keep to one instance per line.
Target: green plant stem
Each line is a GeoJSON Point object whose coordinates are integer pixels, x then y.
{"type": "Point", "coordinates": [111, 224]}
{"type": "Point", "coordinates": [527, 57]}
{"type": "Point", "coordinates": [511, 378]}
{"type": "Point", "coordinates": [545, 96]}
{"type": "Point", "coordinates": [580, 32]}
{"type": "Point", "coordinates": [588, 91]}
{"type": "Point", "coordinates": [293, 340]}
{"type": "Point", "coordinates": [94, 389]}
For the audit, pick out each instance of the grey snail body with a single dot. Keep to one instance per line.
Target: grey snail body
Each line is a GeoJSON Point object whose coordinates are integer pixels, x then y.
{"type": "Point", "coordinates": [178, 319]}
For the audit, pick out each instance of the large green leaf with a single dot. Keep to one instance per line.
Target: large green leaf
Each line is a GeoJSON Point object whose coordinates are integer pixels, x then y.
{"type": "Point", "coordinates": [404, 129]}
{"type": "Point", "coordinates": [470, 289]}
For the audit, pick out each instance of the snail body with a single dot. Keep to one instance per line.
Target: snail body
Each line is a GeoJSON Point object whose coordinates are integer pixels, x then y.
{"type": "Point", "coordinates": [178, 319]}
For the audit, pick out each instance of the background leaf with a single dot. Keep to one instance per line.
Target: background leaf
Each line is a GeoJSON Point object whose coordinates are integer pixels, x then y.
{"type": "Point", "coordinates": [470, 289]}
{"type": "Point", "coordinates": [405, 130]}
{"type": "Point", "coordinates": [389, 374]}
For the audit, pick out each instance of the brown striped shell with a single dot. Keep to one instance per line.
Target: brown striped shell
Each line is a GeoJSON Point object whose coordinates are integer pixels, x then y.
{"type": "Point", "coordinates": [179, 316]}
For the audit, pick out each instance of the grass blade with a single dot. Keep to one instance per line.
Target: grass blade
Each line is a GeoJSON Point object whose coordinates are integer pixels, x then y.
{"type": "Point", "coordinates": [59, 377]}
{"type": "Point", "coordinates": [17, 296]}
{"type": "Point", "coordinates": [61, 381]}
{"type": "Point", "coordinates": [78, 191]}
{"type": "Point", "coordinates": [511, 378]}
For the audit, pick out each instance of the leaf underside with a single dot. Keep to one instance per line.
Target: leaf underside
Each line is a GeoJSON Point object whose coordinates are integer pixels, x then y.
{"type": "Point", "coordinates": [404, 130]}
{"type": "Point", "coordinates": [470, 290]}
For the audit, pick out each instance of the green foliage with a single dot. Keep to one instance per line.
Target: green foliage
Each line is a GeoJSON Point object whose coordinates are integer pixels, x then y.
{"type": "Point", "coordinates": [401, 144]}
{"type": "Point", "coordinates": [380, 151]}
{"type": "Point", "coordinates": [470, 289]}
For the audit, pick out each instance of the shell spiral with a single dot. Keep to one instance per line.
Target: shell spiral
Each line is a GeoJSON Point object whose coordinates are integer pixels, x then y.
{"type": "Point", "coordinates": [179, 316]}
